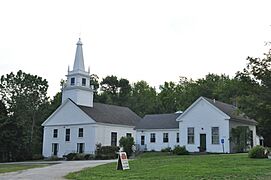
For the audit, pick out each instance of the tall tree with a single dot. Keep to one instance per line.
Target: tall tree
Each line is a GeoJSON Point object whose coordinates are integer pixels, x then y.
{"type": "Point", "coordinates": [168, 97]}
{"type": "Point", "coordinates": [25, 96]}
{"type": "Point", "coordinates": [109, 88]}
{"type": "Point", "coordinates": [143, 99]}
{"type": "Point", "coordinates": [259, 70]}
{"type": "Point", "coordinates": [124, 92]}
{"type": "Point", "coordinates": [115, 91]}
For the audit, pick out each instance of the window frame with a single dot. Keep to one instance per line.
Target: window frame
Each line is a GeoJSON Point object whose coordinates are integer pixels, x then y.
{"type": "Point", "coordinates": [128, 134]}
{"type": "Point", "coordinates": [190, 135]}
{"type": "Point", "coordinates": [114, 138]}
{"type": "Point", "coordinates": [215, 135]}
{"type": "Point", "coordinates": [84, 82]}
{"type": "Point", "coordinates": [80, 133]}
{"type": "Point", "coordinates": [165, 138]}
{"type": "Point", "coordinates": [68, 135]}
{"type": "Point", "coordinates": [152, 138]}
{"type": "Point", "coordinates": [55, 133]}
{"type": "Point", "coordinates": [72, 81]}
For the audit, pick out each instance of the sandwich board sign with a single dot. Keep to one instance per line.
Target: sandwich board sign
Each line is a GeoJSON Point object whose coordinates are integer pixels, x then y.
{"type": "Point", "coordinates": [122, 161]}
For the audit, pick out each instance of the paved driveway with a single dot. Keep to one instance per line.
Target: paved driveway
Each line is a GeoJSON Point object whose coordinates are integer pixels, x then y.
{"type": "Point", "coordinates": [56, 171]}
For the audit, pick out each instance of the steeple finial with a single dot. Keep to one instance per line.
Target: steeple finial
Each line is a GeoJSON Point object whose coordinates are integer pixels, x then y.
{"type": "Point", "coordinates": [79, 58]}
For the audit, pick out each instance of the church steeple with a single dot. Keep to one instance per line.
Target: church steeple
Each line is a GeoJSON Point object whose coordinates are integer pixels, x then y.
{"type": "Point", "coordinates": [78, 87]}
{"type": "Point", "coordinates": [79, 58]}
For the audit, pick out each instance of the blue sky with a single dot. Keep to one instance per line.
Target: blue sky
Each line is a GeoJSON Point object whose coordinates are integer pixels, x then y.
{"type": "Point", "coordinates": [154, 40]}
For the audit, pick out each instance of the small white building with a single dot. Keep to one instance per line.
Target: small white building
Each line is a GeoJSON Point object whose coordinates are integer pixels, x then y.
{"type": "Point", "coordinates": [79, 124]}
{"type": "Point", "coordinates": [157, 131]}
{"type": "Point", "coordinates": [206, 126]}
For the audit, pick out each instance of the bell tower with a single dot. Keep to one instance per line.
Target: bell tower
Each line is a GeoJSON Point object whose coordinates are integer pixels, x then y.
{"type": "Point", "coordinates": [78, 87]}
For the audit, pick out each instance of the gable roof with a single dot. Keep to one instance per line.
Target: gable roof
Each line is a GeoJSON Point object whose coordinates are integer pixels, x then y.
{"type": "Point", "coordinates": [112, 114]}
{"type": "Point", "coordinates": [159, 121]}
{"type": "Point", "coordinates": [66, 114]}
{"type": "Point", "coordinates": [231, 111]}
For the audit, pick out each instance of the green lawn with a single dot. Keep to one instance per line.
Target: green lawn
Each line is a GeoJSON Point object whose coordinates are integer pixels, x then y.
{"type": "Point", "coordinates": [163, 166]}
{"type": "Point", "coordinates": [17, 167]}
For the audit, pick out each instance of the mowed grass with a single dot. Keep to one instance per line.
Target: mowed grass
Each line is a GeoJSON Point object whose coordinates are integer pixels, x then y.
{"type": "Point", "coordinates": [17, 167]}
{"type": "Point", "coordinates": [161, 166]}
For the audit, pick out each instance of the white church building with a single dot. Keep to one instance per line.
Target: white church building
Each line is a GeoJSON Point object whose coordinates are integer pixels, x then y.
{"type": "Point", "coordinates": [78, 124]}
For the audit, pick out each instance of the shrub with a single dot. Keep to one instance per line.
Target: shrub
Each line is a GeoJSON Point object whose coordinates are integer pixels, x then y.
{"type": "Point", "coordinates": [257, 152]}
{"type": "Point", "coordinates": [53, 158]}
{"type": "Point", "coordinates": [70, 156]}
{"type": "Point", "coordinates": [168, 149]}
{"type": "Point", "coordinates": [127, 144]}
{"type": "Point", "coordinates": [180, 150]}
{"type": "Point", "coordinates": [106, 152]}
{"type": "Point", "coordinates": [79, 156]}
{"type": "Point", "coordinates": [89, 157]}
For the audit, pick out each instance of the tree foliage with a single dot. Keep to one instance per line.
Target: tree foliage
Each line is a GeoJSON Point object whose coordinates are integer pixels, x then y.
{"type": "Point", "coordinates": [25, 99]}
{"type": "Point", "coordinates": [127, 144]}
{"type": "Point", "coordinates": [258, 71]}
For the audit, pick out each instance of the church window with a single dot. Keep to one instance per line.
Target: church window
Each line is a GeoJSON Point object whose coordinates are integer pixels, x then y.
{"type": "Point", "coordinates": [72, 81]}
{"type": "Point", "coordinates": [80, 132]}
{"type": "Point", "coordinates": [190, 135]}
{"type": "Point", "coordinates": [165, 137]}
{"type": "Point", "coordinates": [215, 135]}
{"type": "Point", "coordinates": [113, 139]}
{"type": "Point", "coordinates": [68, 134]}
{"type": "Point", "coordinates": [55, 133]}
{"type": "Point", "coordinates": [152, 140]}
{"type": "Point", "coordinates": [84, 81]}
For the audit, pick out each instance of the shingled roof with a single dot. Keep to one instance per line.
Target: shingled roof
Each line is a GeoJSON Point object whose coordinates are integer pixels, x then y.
{"type": "Point", "coordinates": [111, 114]}
{"type": "Point", "coordinates": [159, 121]}
{"type": "Point", "coordinates": [231, 111]}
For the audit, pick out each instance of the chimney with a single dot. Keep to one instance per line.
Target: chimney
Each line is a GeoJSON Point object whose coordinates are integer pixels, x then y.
{"type": "Point", "coordinates": [214, 100]}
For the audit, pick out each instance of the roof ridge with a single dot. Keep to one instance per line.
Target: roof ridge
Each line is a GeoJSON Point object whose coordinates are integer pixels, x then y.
{"type": "Point", "coordinates": [162, 114]}
{"type": "Point", "coordinates": [111, 105]}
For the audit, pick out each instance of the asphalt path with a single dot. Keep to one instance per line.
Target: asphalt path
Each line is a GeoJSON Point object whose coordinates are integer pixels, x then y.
{"type": "Point", "coordinates": [57, 171]}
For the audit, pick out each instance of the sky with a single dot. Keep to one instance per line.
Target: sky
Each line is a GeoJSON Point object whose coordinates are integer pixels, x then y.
{"type": "Point", "coordinates": [149, 40]}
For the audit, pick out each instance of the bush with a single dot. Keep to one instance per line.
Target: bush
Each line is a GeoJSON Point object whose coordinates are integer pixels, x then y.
{"type": "Point", "coordinates": [257, 152]}
{"type": "Point", "coordinates": [70, 156]}
{"type": "Point", "coordinates": [180, 150]}
{"type": "Point", "coordinates": [79, 156]}
{"type": "Point", "coordinates": [168, 149]}
{"type": "Point", "coordinates": [53, 158]}
{"type": "Point", "coordinates": [89, 157]}
{"type": "Point", "coordinates": [106, 152]}
{"type": "Point", "coordinates": [127, 144]}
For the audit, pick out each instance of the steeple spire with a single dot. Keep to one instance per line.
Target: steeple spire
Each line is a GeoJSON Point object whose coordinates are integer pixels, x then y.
{"type": "Point", "coordinates": [79, 58]}
{"type": "Point", "coordinates": [78, 87]}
